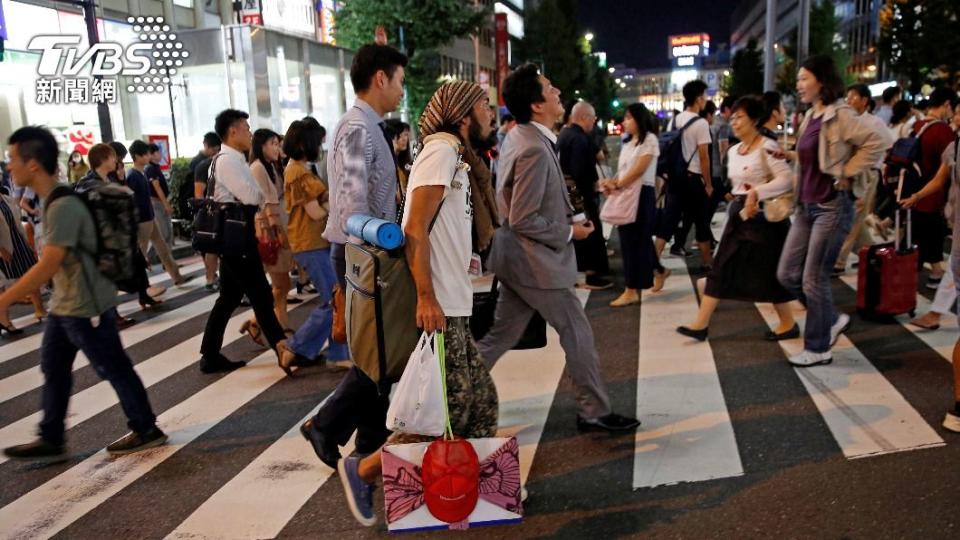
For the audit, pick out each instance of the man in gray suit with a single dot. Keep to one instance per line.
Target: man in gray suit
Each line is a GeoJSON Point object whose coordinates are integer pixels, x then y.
{"type": "Point", "coordinates": [532, 254]}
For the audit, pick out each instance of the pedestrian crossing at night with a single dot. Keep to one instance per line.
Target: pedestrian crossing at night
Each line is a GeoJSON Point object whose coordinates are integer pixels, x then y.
{"type": "Point", "coordinates": [243, 471]}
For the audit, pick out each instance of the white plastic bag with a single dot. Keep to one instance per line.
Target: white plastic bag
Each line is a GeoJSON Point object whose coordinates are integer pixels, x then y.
{"type": "Point", "coordinates": [418, 404]}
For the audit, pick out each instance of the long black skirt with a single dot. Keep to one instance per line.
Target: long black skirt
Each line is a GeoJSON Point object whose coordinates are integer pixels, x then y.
{"type": "Point", "coordinates": [636, 243]}
{"type": "Point", "coordinates": [745, 266]}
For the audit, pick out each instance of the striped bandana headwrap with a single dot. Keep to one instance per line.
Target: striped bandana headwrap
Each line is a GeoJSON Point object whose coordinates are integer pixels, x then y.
{"type": "Point", "coordinates": [449, 104]}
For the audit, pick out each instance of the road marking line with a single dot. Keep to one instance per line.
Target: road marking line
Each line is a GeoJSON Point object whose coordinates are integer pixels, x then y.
{"type": "Point", "coordinates": [941, 340]}
{"type": "Point", "coordinates": [53, 506]}
{"type": "Point", "coordinates": [99, 397]}
{"type": "Point", "coordinates": [865, 413]}
{"type": "Point", "coordinates": [262, 498]}
{"type": "Point", "coordinates": [687, 434]}
{"type": "Point", "coordinates": [31, 378]}
{"type": "Point", "coordinates": [31, 343]}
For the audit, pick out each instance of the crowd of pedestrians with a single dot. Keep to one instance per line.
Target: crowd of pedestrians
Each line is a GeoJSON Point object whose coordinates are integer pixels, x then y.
{"type": "Point", "coordinates": [531, 211]}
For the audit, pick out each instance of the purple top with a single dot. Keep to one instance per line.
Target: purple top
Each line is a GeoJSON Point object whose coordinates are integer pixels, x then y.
{"type": "Point", "coordinates": [815, 187]}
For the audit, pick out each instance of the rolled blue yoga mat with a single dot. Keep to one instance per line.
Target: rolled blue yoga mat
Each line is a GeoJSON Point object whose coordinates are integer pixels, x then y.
{"type": "Point", "coordinates": [381, 233]}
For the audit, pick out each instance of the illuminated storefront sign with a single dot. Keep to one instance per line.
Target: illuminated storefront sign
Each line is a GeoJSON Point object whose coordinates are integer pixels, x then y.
{"type": "Point", "coordinates": [688, 45]}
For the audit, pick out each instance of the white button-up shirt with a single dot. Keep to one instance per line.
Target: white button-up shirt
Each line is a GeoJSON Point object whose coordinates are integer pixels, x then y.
{"type": "Point", "coordinates": [233, 181]}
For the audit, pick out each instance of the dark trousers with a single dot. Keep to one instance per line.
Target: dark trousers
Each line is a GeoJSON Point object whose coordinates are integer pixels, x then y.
{"type": "Point", "coordinates": [356, 404]}
{"type": "Point", "coordinates": [241, 275]}
{"type": "Point", "coordinates": [62, 338]}
{"type": "Point", "coordinates": [592, 250]}
{"type": "Point", "coordinates": [686, 199]}
{"type": "Point", "coordinates": [636, 242]}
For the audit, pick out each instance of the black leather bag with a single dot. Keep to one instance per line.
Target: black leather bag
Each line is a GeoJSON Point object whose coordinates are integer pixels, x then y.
{"type": "Point", "coordinates": [207, 227]}
{"type": "Point", "coordinates": [484, 308]}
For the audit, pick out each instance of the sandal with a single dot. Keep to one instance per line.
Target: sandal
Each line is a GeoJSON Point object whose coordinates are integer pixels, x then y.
{"type": "Point", "coordinates": [252, 329]}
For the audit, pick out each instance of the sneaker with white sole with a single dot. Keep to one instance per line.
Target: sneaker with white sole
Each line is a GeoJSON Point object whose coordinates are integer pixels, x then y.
{"type": "Point", "coordinates": [809, 358]}
{"type": "Point", "coordinates": [359, 493]}
{"type": "Point", "coordinates": [839, 327]}
{"type": "Point", "coordinates": [952, 422]}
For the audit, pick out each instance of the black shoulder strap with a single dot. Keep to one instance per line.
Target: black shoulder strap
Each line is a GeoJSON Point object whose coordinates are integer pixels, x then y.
{"type": "Point", "coordinates": [211, 176]}
{"type": "Point", "coordinates": [58, 192]}
{"type": "Point", "coordinates": [688, 124]}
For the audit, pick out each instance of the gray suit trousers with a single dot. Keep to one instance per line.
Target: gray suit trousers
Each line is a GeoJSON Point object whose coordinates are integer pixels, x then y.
{"type": "Point", "coordinates": [562, 310]}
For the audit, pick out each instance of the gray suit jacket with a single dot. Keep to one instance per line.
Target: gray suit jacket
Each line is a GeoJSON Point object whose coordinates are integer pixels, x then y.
{"type": "Point", "coordinates": [532, 248]}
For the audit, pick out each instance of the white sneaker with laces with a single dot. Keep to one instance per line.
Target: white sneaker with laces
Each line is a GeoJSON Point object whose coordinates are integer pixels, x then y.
{"type": "Point", "coordinates": [839, 327]}
{"type": "Point", "coordinates": [952, 422]}
{"type": "Point", "coordinates": [808, 359]}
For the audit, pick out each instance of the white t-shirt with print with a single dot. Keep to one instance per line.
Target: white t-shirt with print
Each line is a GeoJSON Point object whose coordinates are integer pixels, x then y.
{"type": "Point", "coordinates": [630, 152]}
{"type": "Point", "coordinates": [450, 240]}
{"type": "Point", "coordinates": [697, 134]}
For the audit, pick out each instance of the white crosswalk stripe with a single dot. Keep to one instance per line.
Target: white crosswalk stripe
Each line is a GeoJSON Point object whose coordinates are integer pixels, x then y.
{"type": "Point", "coordinates": [686, 435]}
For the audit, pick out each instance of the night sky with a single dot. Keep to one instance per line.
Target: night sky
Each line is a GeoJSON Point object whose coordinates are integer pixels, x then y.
{"type": "Point", "coordinates": [634, 32]}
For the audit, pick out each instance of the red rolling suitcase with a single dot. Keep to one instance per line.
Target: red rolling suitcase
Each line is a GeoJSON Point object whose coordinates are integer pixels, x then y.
{"type": "Point", "coordinates": [887, 276]}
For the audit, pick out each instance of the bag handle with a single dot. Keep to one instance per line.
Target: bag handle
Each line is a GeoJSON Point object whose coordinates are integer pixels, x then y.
{"type": "Point", "coordinates": [441, 351]}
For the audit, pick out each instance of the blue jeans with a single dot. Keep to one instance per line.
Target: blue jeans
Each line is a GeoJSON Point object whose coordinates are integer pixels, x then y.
{"type": "Point", "coordinates": [62, 338]}
{"type": "Point", "coordinates": [315, 331]}
{"type": "Point", "coordinates": [810, 251]}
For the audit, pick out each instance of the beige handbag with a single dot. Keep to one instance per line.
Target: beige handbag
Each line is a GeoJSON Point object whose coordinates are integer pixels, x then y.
{"type": "Point", "coordinates": [780, 207]}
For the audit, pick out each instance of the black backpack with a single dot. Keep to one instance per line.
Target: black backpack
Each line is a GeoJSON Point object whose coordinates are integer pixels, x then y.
{"type": "Point", "coordinates": [115, 218]}
{"type": "Point", "coordinates": [672, 164]}
{"type": "Point", "coordinates": [903, 163]}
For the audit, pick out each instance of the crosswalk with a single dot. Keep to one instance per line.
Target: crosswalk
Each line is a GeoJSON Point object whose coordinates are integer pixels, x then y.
{"type": "Point", "coordinates": [236, 467]}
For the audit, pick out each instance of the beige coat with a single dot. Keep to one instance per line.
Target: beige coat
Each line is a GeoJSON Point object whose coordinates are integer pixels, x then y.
{"type": "Point", "coordinates": [848, 147]}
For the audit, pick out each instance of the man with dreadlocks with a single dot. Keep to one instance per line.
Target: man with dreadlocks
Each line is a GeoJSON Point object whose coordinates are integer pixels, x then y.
{"type": "Point", "coordinates": [439, 192]}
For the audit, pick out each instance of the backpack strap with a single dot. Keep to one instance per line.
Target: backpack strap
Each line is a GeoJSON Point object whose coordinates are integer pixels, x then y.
{"type": "Point", "coordinates": [211, 177]}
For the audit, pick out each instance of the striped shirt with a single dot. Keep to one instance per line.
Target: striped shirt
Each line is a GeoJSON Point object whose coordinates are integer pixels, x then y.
{"type": "Point", "coordinates": [361, 171]}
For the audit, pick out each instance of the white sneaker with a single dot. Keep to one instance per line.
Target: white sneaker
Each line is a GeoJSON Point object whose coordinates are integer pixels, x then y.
{"type": "Point", "coordinates": [807, 359]}
{"type": "Point", "coordinates": [952, 422]}
{"type": "Point", "coordinates": [839, 327]}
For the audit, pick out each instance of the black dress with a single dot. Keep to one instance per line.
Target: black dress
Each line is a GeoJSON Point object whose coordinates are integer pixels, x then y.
{"type": "Point", "coordinates": [745, 266]}
{"type": "Point", "coordinates": [23, 257]}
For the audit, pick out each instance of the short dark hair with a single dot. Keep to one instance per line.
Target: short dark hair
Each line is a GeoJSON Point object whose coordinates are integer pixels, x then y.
{"type": "Point", "coordinates": [119, 149]}
{"type": "Point", "coordinates": [825, 71]}
{"type": "Point", "coordinates": [692, 91]}
{"type": "Point", "coordinates": [36, 143]}
{"type": "Point", "coordinates": [943, 95]}
{"type": "Point", "coordinates": [315, 124]}
{"type": "Point", "coordinates": [212, 139]}
{"type": "Point", "coordinates": [871, 105]}
{"type": "Point", "coordinates": [139, 148]}
{"type": "Point", "coordinates": [154, 147]}
{"type": "Point", "coordinates": [226, 119]}
{"type": "Point", "coordinates": [99, 153]}
{"type": "Point", "coordinates": [372, 58]}
{"type": "Point", "coordinates": [771, 102]}
{"type": "Point", "coordinates": [752, 106]}
{"type": "Point", "coordinates": [708, 109]}
{"type": "Point", "coordinates": [521, 89]}
{"type": "Point", "coordinates": [727, 103]}
{"type": "Point", "coordinates": [901, 111]}
{"type": "Point", "coordinates": [645, 120]}
{"type": "Point", "coordinates": [302, 141]}
{"type": "Point", "coordinates": [861, 89]}
{"type": "Point", "coordinates": [890, 93]}
{"type": "Point", "coordinates": [507, 118]}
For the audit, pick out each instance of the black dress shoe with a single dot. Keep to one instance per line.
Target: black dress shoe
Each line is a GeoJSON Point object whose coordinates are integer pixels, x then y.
{"type": "Point", "coordinates": [38, 451]}
{"type": "Point", "coordinates": [699, 335]}
{"type": "Point", "coordinates": [792, 333]}
{"type": "Point", "coordinates": [610, 422]}
{"type": "Point", "coordinates": [219, 364]}
{"type": "Point", "coordinates": [326, 450]}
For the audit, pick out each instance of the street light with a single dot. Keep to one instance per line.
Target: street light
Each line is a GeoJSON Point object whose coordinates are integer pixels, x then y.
{"type": "Point", "coordinates": [588, 36]}
{"type": "Point", "coordinates": [612, 70]}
